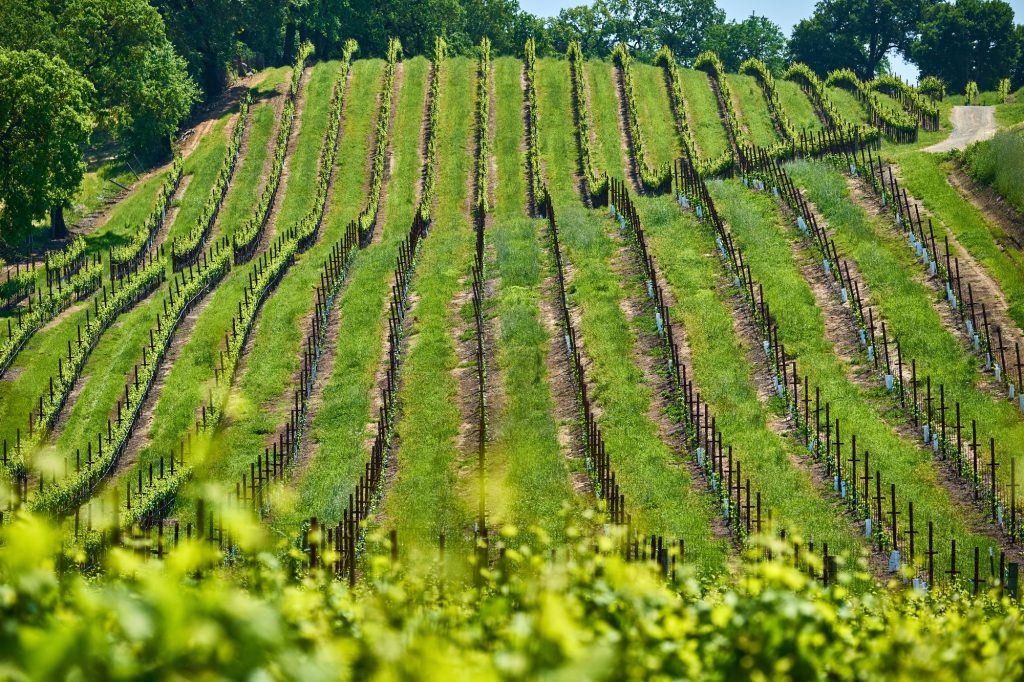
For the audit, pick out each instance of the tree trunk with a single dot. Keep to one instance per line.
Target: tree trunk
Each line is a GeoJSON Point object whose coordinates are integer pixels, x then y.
{"type": "Point", "coordinates": [58, 228]}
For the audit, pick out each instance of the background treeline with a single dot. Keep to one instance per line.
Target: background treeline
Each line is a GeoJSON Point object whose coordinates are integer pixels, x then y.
{"type": "Point", "coordinates": [79, 74]}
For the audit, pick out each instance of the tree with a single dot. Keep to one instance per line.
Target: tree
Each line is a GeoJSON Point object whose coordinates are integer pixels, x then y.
{"type": "Point", "coordinates": [641, 25]}
{"type": "Point", "coordinates": [44, 123]}
{"type": "Point", "coordinates": [204, 33]}
{"type": "Point", "coordinates": [857, 34]}
{"type": "Point", "coordinates": [120, 47]}
{"type": "Point", "coordinates": [154, 102]}
{"type": "Point", "coordinates": [26, 24]}
{"type": "Point", "coordinates": [684, 26]}
{"type": "Point", "coordinates": [972, 40]}
{"type": "Point", "coordinates": [1017, 77]}
{"type": "Point", "coordinates": [580, 23]}
{"type": "Point", "coordinates": [494, 19]}
{"type": "Point", "coordinates": [754, 37]}
{"type": "Point", "coordinates": [417, 23]}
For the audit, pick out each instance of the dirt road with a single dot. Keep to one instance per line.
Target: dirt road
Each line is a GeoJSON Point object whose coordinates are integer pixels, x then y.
{"type": "Point", "coordinates": [970, 124]}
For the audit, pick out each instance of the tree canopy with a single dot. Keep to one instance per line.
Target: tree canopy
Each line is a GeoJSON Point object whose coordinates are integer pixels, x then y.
{"type": "Point", "coordinates": [45, 121]}
{"type": "Point", "coordinates": [141, 87]}
{"type": "Point", "coordinates": [971, 40]}
{"type": "Point", "coordinates": [856, 34]}
{"type": "Point", "coordinates": [755, 36]}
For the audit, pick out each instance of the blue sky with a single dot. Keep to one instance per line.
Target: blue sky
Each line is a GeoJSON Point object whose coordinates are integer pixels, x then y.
{"type": "Point", "coordinates": [785, 14]}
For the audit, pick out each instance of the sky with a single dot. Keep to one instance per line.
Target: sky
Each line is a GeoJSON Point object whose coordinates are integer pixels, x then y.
{"type": "Point", "coordinates": [786, 14]}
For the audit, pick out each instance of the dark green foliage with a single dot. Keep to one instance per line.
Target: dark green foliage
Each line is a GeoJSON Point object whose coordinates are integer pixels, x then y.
{"type": "Point", "coordinates": [44, 116]}
{"type": "Point", "coordinates": [753, 38]}
{"type": "Point", "coordinates": [641, 25]}
{"type": "Point", "coordinates": [142, 90]}
{"type": "Point", "coordinates": [855, 34]}
{"type": "Point", "coordinates": [971, 40]}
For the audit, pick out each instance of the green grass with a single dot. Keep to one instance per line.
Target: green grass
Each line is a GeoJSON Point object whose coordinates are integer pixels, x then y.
{"type": "Point", "coordinates": [848, 104]}
{"type": "Point", "coordinates": [248, 171]}
{"type": "Point", "coordinates": [702, 108]}
{"type": "Point", "coordinates": [27, 377]}
{"type": "Point", "coordinates": [340, 427]}
{"type": "Point", "coordinates": [272, 80]}
{"type": "Point", "coordinates": [120, 347]}
{"type": "Point", "coordinates": [999, 163]}
{"type": "Point", "coordinates": [262, 392]}
{"type": "Point", "coordinates": [607, 148]}
{"type": "Point", "coordinates": [890, 104]}
{"type": "Point", "coordinates": [683, 248]}
{"type": "Point", "coordinates": [22, 384]}
{"type": "Point", "coordinates": [659, 491]}
{"type": "Point", "coordinates": [752, 109]}
{"type": "Point", "coordinates": [202, 166]}
{"type": "Point", "coordinates": [1010, 114]}
{"type": "Point", "coordinates": [98, 187]}
{"type": "Point", "coordinates": [757, 226]}
{"type": "Point", "coordinates": [924, 176]}
{"type": "Point", "coordinates": [685, 252]}
{"type": "Point", "coordinates": [425, 499]}
{"type": "Point", "coordinates": [654, 113]}
{"type": "Point", "coordinates": [530, 476]}
{"type": "Point", "coordinates": [191, 376]}
{"type": "Point", "coordinates": [893, 274]}
{"type": "Point", "coordinates": [797, 106]}
{"type": "Point", "coordinates": [297, 190]}
{"type": "Point", "coordinates": [127, 216]}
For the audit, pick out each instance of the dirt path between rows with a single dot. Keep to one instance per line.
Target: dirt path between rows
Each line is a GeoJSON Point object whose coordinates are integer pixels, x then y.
{"type": "Point", "coordinates": [977, 284]}
{"type": "Point", "coordinates": [626, 133]}
{"type": "Point", "coordinates": [970, 124]}
{"type": "Point", "coordinates": [960, 495]}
